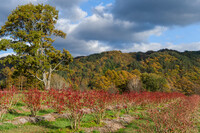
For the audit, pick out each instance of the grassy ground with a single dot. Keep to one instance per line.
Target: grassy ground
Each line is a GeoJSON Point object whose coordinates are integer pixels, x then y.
{"type": "Point", "coordinates": [13, 114]}
{"type": "Point", "coordinates": [62, 125]}
{"type": "Point", "coordinates": [43, 126]}
{"type": "Point", "coordinates": [137, 124]}
{"type": "Point", "coordinates": [144, 124]}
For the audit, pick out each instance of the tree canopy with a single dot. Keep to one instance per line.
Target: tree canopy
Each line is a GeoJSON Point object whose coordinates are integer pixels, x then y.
{"type": "Point", "coordinates": [31, 29]}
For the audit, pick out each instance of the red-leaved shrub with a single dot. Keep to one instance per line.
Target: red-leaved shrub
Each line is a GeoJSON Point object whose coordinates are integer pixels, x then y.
{"type": "Point", "coordinates": [6, 100]}
{"type": "Point", "coordinates": [33, 98]}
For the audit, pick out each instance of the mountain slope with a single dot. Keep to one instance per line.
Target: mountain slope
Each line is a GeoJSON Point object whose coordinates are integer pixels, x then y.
{"type": "Point", "coordinates": [181, 69]}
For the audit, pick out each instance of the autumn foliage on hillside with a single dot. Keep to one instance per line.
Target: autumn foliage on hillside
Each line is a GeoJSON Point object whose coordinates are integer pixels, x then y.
{"type": "Point", "coordinates": [164, 70]}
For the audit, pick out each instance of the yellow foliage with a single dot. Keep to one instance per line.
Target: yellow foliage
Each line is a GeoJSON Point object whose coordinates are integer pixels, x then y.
{"type": "Point", "coordinates": [102, 83]}
{"type": "Point", "coordinates": [118, 79]}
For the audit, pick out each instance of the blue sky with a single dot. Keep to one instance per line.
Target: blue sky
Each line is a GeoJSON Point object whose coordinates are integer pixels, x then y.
{"type": "Point", "coordinates": [94, 26]}
{"type": "Point", "coordinates": [87, 6]}
{"type": "Point", "coordinates": [178, 35]}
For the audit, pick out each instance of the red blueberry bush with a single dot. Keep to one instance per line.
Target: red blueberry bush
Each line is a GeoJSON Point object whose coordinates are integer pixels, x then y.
{"type": "Point", "coordinates": [99, 100]}
{"type": "Point", "coordinates": [75, 104]}
{"type": "Point", "coordinates": [33, 98]}
{"type": "Point", "coordinates": [56, 100]}
{"type": "Point", "coordinates": [72, 102]}
{"type": "Point", "coordinates": [6, 100]}
{"type": "Point", "coordinates": [116, 103]}
{"type": "Point", "coordinates": [177, 116]}
{"type": "Point", "coordinates": [169, 112]}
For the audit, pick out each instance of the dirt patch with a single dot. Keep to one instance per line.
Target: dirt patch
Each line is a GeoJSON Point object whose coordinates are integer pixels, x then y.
{"type": "Point", "coordinates": [57, 115]}
{"type": "Point", "coordinates": [44, 107]}
{"type": "Point", "coordinates": [24, 109]}
{"type": "Point", "coordinates": [110, 125]}
{"type": "Point", "coordinates": [26, 119]}
{"type": "Point", "coordinates": [19, 120]}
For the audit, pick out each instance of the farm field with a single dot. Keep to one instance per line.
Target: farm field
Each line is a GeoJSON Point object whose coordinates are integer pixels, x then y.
{"type": "Point", "coordinates": [97, 111]}
{"type": "Point", "coordinates": [125, 67]}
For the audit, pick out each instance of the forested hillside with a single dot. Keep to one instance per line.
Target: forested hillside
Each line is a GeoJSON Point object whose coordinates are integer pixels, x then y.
{"type": "Point", "coordinates": [163, 70]}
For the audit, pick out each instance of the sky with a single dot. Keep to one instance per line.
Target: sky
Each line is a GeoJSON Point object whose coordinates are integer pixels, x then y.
{"type": "Point", "coordinates": [94, 26]}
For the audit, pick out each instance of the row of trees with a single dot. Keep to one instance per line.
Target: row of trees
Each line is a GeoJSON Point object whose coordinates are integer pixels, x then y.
{"type": "Point", "coordinates": [124, 81]}
{"type": "Point", "coordinates": [10, 79]}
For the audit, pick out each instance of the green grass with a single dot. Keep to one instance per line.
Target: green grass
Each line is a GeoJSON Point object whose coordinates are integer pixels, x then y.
{"type": "Point", "coordinates": [142, 123]}
{"type": "Point", "coordinates": [95, 131]}
{"type": "Point", "coordinates": [20, 104]}
{"type": "Point", "coordinates": [129, 128]}
{"type": "Point", "coordinates": [89, 121]}
{"type": "Point", "coordinates": [59, 123]}
{"type": "Point", "coordinates": [43, 112]}
{"type": "Point", "coordinates": [110, 114]}
{"type": "Point", "coordinates": [7, 126]}
{"type": "Point", "coordinates": [38, 127]}
{"type": "Point", "coordinates": [13, 114]}
{"type": "Point", "coordinates": [27, 129]}
{"type": "Point", "coordinates": [137, 124]}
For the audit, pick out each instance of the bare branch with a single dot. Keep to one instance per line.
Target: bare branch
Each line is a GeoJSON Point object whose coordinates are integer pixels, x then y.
{"type": "Point", "coordinates": [57, 65]}
{"type": "Point", "coordinates": [35, 76]}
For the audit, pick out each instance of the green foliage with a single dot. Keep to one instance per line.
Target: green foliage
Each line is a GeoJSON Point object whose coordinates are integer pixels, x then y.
{"type": "Point", "coordinates": [153, 82]}
{"type": "Point", "coordinates": [31, 28]}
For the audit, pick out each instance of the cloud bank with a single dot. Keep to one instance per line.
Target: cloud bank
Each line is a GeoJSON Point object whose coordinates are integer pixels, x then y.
{"type": "Point", "coordinates": [122, 25]}
{"type": "Point", "coordinates": [158, 12]}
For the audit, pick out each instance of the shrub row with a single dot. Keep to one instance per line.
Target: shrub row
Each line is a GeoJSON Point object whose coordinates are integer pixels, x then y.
{"type": "Point", "coordinates": [76, 104]}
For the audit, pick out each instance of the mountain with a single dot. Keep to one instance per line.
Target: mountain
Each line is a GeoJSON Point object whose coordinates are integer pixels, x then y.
{"type": "Point", "coordinates": [180, 69]}
{"type": "Point", "coordinates": [163, 70]}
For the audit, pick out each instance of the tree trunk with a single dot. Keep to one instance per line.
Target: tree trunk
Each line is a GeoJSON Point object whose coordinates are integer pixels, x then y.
{"type": "Point", "coordinates": [47, 80]}
{"type": "Point", "coordinates": [48, 86]}
{"type": "Point", "coordinates": [33, 113]}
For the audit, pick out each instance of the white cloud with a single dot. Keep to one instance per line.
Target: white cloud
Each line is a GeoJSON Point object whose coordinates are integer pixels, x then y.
{"type": "Point", "coordinates": [194, 46]}
{"type": "Point", "coordinates": [96, 46]}
{"type": "Point", "coordinates": [5, 54]}
{"type": "Point", "coordinates": [101, 31]}
{"type": "Point", "coordinates": [144, 35]}
{"type": "Point", "coordinates": [143, 47]}
{"type": "Point", "coordinates": [74, 14]}
{"type": "Point", "coordinates": [69, 9]}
